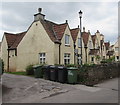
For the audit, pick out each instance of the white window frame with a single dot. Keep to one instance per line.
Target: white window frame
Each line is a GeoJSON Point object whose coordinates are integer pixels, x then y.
{"type": "Point", "coordinates": [67, 39]}
{"type": "Point", "coordinates": [66, 58]}
{"type": "Point", "coordinates": [90, 44]}
{"type": "Point", "coordinates": [79, 42]}
{"type": "Point", "coordinates": [42, 58]}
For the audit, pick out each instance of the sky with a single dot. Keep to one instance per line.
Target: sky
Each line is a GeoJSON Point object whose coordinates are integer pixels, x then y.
{"type": "Point", "coordinates": [103, 16]}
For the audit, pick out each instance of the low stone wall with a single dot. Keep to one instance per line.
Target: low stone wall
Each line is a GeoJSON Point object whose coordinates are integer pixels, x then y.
{"type": "Point", "coordinates": [91, 75]}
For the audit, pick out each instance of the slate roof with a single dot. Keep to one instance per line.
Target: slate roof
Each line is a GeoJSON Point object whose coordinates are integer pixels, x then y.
{"type": "Point", "coordinates": [93, 39]}
{"type": "Point", "coordinates": [110, 53]}
{"type": "Point", "coordinates": [85, 37]}
{"type": "Point", "coordinates": [107, 45]}
{"type": "Point", "coordinates": [74, 33]}
{"type": "Point", "coordinates": [94, 52]}
{"type": "Point", "coordinates": [55, 31]}
{"type": "Point", "coordinates": [13, 39]}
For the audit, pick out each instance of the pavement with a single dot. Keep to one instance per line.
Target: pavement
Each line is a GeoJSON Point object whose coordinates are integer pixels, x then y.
{"type": "Point", "coordinates": [24, 89]}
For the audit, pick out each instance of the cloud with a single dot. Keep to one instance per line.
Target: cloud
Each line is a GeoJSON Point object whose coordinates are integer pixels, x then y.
{"type": "Point", "coordinates": [17, 16]}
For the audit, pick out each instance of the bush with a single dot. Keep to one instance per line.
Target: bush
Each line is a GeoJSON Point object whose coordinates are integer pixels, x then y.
{"type": "Point", "coordinates": [29, 70]}
{"type": "Point", "coordinates": [71, 65]}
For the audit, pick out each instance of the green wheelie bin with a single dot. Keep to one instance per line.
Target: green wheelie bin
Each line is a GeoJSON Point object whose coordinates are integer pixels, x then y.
{"type": "Point", "coordinates": [72, 75]}
{"type": "Point", "coordinates": [38, 72]}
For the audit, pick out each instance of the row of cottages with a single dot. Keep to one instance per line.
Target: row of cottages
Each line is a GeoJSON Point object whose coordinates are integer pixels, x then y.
{"type": "Point", "coordinates": [114, 51]}
{"type": "Point", "coordinates": [46, 42]}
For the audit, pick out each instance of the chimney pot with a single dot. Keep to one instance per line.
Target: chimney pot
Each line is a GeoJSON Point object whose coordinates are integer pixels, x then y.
{"type": "Point", "coordinates": [97, 31]}
{"type": "Point", "coordinates": [89, 31]}
{"type": "Point", "coordinates": [83, 29]}
{"type": "Point", "coordinates": [66, 21]}
{"type": "Point", "coordinates": [39, 10]}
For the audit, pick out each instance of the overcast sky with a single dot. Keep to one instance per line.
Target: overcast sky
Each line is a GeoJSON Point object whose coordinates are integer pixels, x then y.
{"type": "Point", "coordinates": [102, 16]}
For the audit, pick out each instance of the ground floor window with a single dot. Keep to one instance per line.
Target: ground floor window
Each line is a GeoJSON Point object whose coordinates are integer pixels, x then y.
{"type": "Point", "coordinates": [103, 57]}
{"type": "Point", "coordinates": [117, 57]}
{"type": "Point", "coordinates": [42, 58]}
{"type": "Point", "coordinates": [66, 58]}
{"type": "Point", "coordinates": [79, 59]}
{"type": "Point", "coordinates": [92, 59]}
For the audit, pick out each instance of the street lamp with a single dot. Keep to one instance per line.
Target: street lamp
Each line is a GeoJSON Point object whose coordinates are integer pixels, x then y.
{"type": "Point", "coordinates": [80, 16]}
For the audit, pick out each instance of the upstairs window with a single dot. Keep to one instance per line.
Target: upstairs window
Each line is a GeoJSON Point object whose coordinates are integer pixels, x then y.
{"type": "Point", "coordinates": [116, 48]}
{"type": "Point", "coordinates": [42, 58]}
{"type": "Point", "coordinates": [90, 44]}
{"type": "Point", "coordinates": [67, 40]}
{"type": "Point", "coordinates": [66, 58]}
{"type": "Point", "coordinates": [79, 42]}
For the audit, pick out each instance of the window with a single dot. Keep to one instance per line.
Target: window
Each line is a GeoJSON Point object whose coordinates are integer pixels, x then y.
{"type": "Point", "coordinates": [90, 44]}
{"type": "Point", "coordinates": [117, 57]}
{"type": "Point", "coordinates": [92, 59]}
{"type": "Point", "coordinates": [103, 48]}
{"type": "Point", "coordinates": [67, 40]}
{"type": "Point", "coordinates": [116, 48]}
{"type": "Point", "coordinates": [66, 58]}
{"type": "Point", "coordinates": [79, 42]}
{"type": "Point", "coordinates": [42, 58]}
{"type": "Point", "coordinates": [103, 57]}
{"type": "Point", "coordinates": [79, 59]}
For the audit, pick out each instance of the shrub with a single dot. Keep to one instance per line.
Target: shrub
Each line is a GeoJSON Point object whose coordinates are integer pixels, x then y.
{"type": "Point", "coordinates": [29, 70]}
{"type": "Point", "coordinates": [71, 65]}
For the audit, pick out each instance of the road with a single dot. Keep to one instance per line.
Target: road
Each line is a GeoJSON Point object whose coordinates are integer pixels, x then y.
{"type": "Point", "coordinates": [106, 92]}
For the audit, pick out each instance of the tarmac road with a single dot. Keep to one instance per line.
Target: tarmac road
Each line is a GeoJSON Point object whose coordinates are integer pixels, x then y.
{"type": "Point", "coordinates": [106, 92]}
{"type": "Point", "coordinates": [23, 89]}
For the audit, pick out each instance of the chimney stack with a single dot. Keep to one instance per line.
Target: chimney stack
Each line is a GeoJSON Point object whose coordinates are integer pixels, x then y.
{"type": "Point", "coordinates": [39, 15]}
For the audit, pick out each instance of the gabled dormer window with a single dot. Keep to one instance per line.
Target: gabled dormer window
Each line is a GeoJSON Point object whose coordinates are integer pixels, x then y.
{"type": "Point", "coordinates": [79, 42]}
{"type": "Point", "coordinates": [90, 44]}
{"type": "Point", "coordinates": [67, 40]}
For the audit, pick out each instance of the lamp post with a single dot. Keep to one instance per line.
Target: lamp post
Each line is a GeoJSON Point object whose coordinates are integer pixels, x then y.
{"type": "Point", "coordinates": [80, 16]}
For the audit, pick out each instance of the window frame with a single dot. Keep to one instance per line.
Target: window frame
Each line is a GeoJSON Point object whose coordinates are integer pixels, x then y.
{"type": "Point", "coordinates": [66, 58]}
{"type": "Point", "coordinates": [67, 39]}
{"type": "Point", "coordinates": [79, 59]}
{"type": "Point", "coordinates": [79, 42]}
{"type": "Point", "coordinates": [42, 58]}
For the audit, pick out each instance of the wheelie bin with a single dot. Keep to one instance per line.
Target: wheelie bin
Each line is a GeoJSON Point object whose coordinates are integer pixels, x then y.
{"type": "Point", "coordinates": [46, 70]}
{"type": "Point", "coordinates": [62, 74]}
{"type": "Point", "coordinates": [38, 73]}
{"type": "Point", "coordinates": [72, 75]}
{"type": "Point", "coordinates": [53, 73]}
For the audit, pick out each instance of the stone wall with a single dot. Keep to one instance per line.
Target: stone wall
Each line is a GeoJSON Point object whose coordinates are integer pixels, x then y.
{"type": "Point", "coordinates": [91, 75]}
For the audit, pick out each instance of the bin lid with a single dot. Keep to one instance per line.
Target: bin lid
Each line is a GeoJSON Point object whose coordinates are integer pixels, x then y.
{"type": "Point", "coordinates": [61, 67]}
{"type": "Point", "coordinates": [72, 68]}
{"type": "Point", "coordinates": [36, 66]}
{"type": "Point", "coordinates": [46, 66]}
{"type": "Point", "coordinates": [52, 66]}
